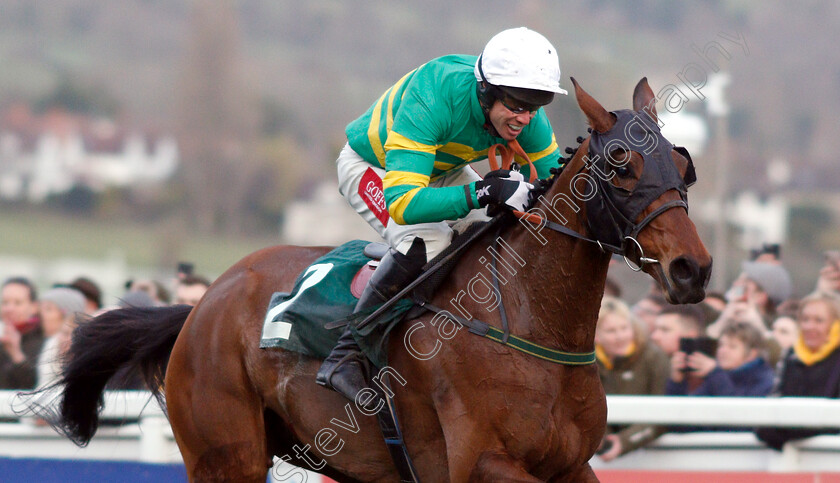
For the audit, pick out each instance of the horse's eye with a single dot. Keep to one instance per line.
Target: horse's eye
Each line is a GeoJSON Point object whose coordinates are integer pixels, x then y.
{"type": "Point", "coordinates": [622, 171]}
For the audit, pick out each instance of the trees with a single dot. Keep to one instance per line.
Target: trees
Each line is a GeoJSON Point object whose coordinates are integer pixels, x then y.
{"type": "Point", "coordinates": [217, 121]}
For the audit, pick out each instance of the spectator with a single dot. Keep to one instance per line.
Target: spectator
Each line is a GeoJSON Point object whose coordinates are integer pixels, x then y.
{"type": "Point", "coordinates": [713, 305]}
{"type": "Point", "coordinates": [784, 330]}
{"type": "Point", "coordinates": [738, 310]}
{"type": "Point", "coordinates": [155, 290]}
{"type": "Point", "coordinates": [91, 292]}
{"type": "Point", "coordinates": [812, 367]}
{"type": "Point", "coordinates": [190, 289]}
{"type": "Point", "coordinates": [764, 286]}
{"type": "Point", "coordinates": [136, 298]}
{"type": "Point", "coordinates": [648, 308]}
{"type": "Point", "coordinates": [674, 323]}
{"type": "Point", "coordinates": [715, 300]}
{"type": "Point", "coordinates": [22, 335]}
{"type": "Point", "coordinates": [754, 296]}
{"type": "Point", "coordinates": [739, 368]}
{"type": "Point", "coordinates": [627, 364]}
{"type": "Point", "coordinates": [59, 308]}
{"type": "Point", "coordinates": [829, 279]}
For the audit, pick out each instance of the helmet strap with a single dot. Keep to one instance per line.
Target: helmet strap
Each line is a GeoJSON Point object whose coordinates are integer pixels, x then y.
{"type": "Point", "coordinates": [487, 96]}
{"type": "Point", "coordinates": [486, 99]}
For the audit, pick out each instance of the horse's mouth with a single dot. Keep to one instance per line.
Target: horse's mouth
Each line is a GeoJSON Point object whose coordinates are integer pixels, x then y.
{"type": "Point", "coordinates": [691, 297]}
{"type": "Point", "coordinates": [685, 280]}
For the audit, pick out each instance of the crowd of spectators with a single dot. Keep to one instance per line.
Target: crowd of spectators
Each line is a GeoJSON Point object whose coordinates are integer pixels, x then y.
{"type": "Point", "coordinates": [756, 340]}
{"type": "Point", "coordinates": [36, 328]}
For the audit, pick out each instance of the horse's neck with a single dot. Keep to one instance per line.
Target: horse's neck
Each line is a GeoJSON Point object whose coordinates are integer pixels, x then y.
{"type": "Point", "coordinates": [551, 283]}
{"type": "Point", "coordinates": [560, 289]}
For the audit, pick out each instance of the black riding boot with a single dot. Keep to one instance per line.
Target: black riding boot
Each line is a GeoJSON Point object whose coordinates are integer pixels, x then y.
{"type": "Point", "coordinates": [343, 369]}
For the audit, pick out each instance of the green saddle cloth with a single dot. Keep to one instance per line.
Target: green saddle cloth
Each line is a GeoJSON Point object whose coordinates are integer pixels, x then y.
{"type": "Point", "coordinates": [295, 321]}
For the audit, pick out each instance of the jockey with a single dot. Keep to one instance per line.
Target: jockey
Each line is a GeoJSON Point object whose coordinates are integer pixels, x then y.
{"type": "Point", "coordinates": [404, 167]}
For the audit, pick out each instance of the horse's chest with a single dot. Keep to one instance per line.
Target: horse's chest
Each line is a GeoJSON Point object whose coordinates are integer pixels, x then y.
{"type": "Point", "coordinates": [560, 428]}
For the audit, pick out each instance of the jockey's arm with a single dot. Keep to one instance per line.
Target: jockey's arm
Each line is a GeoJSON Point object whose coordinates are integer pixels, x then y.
{"type": "Point", "coordinates": [408, 196]}
{"type": "Point", "coordinates": [409, 165]}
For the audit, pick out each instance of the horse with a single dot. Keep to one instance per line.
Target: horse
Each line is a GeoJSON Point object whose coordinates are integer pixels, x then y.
{"type": "Point", "coordinates": [471, 409]}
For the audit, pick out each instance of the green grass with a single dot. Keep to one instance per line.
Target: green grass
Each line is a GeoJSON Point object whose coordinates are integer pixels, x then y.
{"type": "Point", "coordinates": [50, 236]}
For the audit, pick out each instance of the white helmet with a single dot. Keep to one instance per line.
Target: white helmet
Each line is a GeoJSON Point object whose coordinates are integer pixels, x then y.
{"type": "Point", "coordinates": [520, 58]}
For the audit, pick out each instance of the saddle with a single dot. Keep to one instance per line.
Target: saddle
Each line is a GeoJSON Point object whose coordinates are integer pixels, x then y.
{"type": "Point", "coordinates": [310, 319]}
{"type": "Point", "coordinates": [327, 291]}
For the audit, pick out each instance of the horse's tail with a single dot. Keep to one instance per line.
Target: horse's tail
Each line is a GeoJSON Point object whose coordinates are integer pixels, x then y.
{"type": "Point", "coordinates": [129, 340]}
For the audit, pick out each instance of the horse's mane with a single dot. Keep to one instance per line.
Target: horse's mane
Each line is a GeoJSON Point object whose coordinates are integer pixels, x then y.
{"type": "Point", "coordinates": [543, 186]}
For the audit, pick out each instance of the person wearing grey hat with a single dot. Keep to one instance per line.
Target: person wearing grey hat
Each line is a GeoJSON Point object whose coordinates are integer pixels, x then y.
{"type": "Point", "coordinates": [766, 285]}
{"type": "Point", "coordinates": [753, 299]}
{"type": "Point", "coordinates": [59, 308]}
{"type": "Point", "coordinates": [59, 305]}
{"type": "Point", "coordinates": [136, 298]}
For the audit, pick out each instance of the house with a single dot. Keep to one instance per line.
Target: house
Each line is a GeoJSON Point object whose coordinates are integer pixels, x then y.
{"type": "Point", "coordinates": [50, 153]}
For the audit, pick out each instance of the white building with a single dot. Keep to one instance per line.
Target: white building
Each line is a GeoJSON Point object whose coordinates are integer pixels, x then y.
{"type": "Point", "coordinates": [52, 153]}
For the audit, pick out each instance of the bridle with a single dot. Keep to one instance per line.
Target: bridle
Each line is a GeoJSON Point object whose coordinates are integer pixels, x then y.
{"type": "Point", "coordinates": [612, 223]}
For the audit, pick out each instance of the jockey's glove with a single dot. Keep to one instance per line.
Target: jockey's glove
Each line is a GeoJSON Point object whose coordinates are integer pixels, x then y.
{"type": "Point", "coordinates": [504, 187]}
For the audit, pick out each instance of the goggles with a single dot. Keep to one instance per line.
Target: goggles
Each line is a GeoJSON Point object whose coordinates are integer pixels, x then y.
{"type": "Point", "coordinates": [518, 108]}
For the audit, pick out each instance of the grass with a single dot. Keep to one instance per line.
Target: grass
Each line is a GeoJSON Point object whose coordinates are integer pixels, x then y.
{"type": "Point", "coordinates": [51, 236]}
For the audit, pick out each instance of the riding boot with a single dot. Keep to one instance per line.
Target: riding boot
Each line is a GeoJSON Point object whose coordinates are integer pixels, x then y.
{"type": "Point", "coordinates": [344, 369]}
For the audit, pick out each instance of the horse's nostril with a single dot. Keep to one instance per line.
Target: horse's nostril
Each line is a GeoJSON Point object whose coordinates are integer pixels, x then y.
{"type": "Point", "coordinates": [684, 270]}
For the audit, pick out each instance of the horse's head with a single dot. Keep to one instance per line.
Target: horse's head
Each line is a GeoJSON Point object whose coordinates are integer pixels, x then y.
{"type": "Point", "coordinates": [636, 203]}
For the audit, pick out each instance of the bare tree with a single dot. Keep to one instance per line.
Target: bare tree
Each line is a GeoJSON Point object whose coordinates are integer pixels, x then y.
{"type": "Point", "coordinates": [217, 123]}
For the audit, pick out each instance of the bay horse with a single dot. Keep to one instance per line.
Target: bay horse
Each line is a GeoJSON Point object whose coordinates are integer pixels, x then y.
{"type": "Point", "coordinates": [471, 409]}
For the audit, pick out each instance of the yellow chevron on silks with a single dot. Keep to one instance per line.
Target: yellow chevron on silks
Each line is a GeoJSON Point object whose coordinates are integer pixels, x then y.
{"type": "Point", "coordinates": [463, 151]}
{"type": "Point", "coordinates": [398, 207]}
{"type": "Point", "coordinates": [402, 178]}
{"type": "Point", "coordinates": [398, 141]}
{"type": "Point", "coordinates": [373, 131]}
{"type": "Point", "coordinates": [545, 152]}
{"type": "Point", "coordinates": [445, 166]}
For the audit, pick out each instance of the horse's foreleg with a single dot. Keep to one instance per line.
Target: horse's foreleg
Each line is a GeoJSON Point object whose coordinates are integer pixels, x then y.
{"type": "Point", "coordinates": [495, 466]}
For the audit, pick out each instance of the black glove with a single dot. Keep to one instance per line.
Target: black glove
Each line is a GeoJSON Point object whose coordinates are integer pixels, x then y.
{"type": "Point", "coordinates": [504, 187]}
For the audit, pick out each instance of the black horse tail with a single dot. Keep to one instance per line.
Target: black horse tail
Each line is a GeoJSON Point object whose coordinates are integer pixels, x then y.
{"type": "Point", "coordinates": [129, 341]}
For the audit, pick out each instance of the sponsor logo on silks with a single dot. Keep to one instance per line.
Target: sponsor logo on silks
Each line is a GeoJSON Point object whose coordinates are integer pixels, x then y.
{"type": "Point", "coordinates": [482, 192]}
{"type": "Point", "coordinates": [370, 190]}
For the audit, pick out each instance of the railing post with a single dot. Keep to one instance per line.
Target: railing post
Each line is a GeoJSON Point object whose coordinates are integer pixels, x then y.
{"type": "Point", "coordinates": [788, 461]}
{"type": "Point", "coordinates": [153, 444]}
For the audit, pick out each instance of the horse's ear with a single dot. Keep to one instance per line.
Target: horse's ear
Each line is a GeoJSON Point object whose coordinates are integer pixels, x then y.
{"type": "Point", "coordinates": [598, 117]}
{"type": "Point", "coordinates": [643, 99]}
